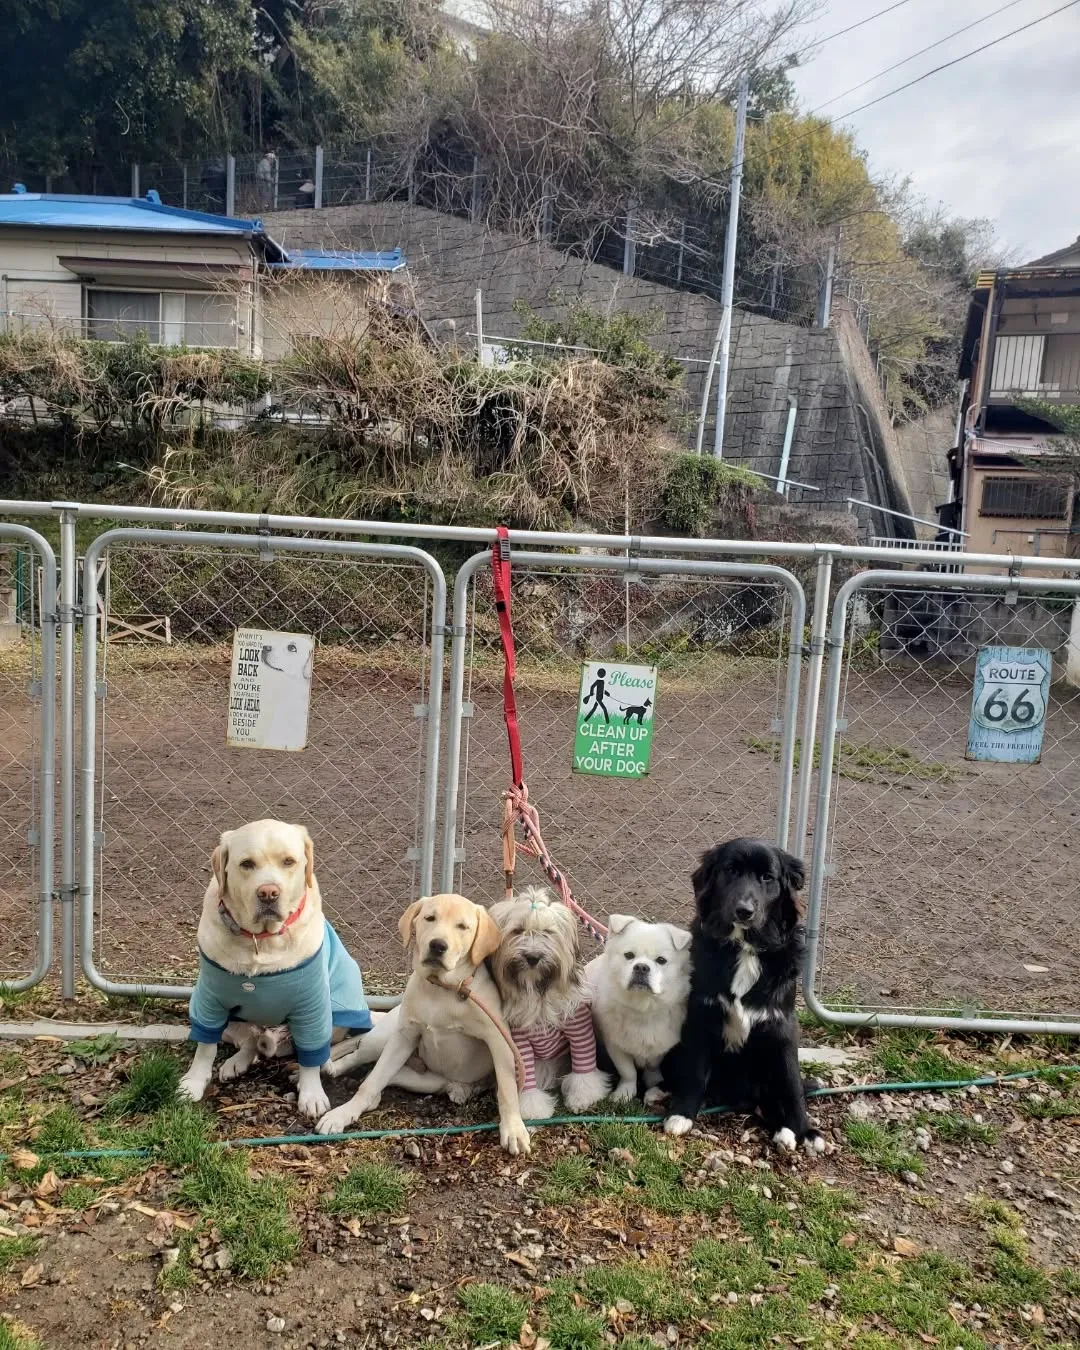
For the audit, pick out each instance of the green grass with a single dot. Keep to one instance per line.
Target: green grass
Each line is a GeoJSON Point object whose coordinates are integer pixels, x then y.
{"type": "Point", "coordinates": [490, 1315]}
{"type": "Point", "coordinates": [180, 1275]}
{"type": "Point", "coordinates": [370, 1188]}
{"type": "Point", "coordinates": [14, 1336]}
{"type": "Point", "coordinates": [1066, 1107]}
{"type": "Point", "coordinates": [79, 1196]}
{"type": "Point", "coordinates": [251, 1215]}
{"type": "Point", "coordinates": [882, 1146]}
{"type": "Point", "coordinates": [952, 1128]}
{"type": "Point", "coordinates": [568, 1179]}
{"type": "Point", "coordinates": [867, 763]}
{"type": "Point", "coordinates": [16, 1249]}
{"type": "Point", "coordinates": [915, 1057]}
{"type": "Point", "coordinates": [151, 1084]}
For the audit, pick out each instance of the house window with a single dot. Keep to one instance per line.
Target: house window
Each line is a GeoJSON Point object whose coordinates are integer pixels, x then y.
{"type": "Point", "coordinates": [123, 316]}
{"type": "Point", "coordinates": [1026, 498]}
{"type": "Point", "coordinates": [174, 318]}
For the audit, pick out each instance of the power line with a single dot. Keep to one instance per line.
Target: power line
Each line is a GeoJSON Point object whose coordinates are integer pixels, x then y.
{"type": "Point", "coordinates": [861, 24]}
{"type": "Point", "coordinates": [957, 59]}
{"type": "Point", "coordinates": [921, 52]}
{"type": "Point", "coordinates": [812, 131]}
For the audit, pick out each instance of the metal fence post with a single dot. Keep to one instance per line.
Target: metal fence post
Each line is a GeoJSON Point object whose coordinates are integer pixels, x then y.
{"type": "Point", "coordinates": [318, 177]}
{"type": "Point", "coordinates": [135, 180]}
{"type": "Point", "coordinates": [367, 175]}
{"type": "Point", "coordinates": [66, 616]}
{"type": "Point", "coordinates": [819, 627]}
{"type": "Point", "coordinates": [629, 256]}
{"type": "Point", "coordinates": [230, 185]}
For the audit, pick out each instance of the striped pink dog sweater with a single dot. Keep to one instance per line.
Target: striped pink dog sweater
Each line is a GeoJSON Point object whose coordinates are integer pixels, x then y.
{"type": "Point", "coordinates": [575, 1034]}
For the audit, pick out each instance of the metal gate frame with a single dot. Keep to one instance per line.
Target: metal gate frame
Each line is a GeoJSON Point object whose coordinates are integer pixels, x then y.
{"type": "Point", "coordinates": [632, 565]}
{"type": "Point", "coordinates": [44, 826]}
{"type": "Point", "coordinates": [881, 579]}
{"type": "Point", "coordinates": [251, 544]}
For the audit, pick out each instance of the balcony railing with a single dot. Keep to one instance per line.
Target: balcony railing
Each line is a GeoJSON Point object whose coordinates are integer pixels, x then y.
{"type": "Point", "coordinates": [1037, 366]}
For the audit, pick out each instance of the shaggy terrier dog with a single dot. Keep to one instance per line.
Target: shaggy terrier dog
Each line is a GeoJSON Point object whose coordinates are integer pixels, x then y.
{"type": "Point", "coordinates": [546, 1004]}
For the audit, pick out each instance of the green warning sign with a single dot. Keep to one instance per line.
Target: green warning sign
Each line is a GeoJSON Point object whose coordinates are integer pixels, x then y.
{"type": "Point", "coordinates": [615, 720]}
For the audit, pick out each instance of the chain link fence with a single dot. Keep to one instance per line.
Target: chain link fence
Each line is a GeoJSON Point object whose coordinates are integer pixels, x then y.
{"type": "Point", "coordinates": [167, 782]}
{"type": "Point", "coordinates": [724, 719]}
{"type": "Point", "coordinates": [27, 669]}
{"type": "Point", "coordinates": [950, 885]}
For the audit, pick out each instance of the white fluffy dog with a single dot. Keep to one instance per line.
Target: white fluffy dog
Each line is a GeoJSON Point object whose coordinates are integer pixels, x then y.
{"type": "Point", "coordinates": [545, 1002]}
{"type": "Point", "coordinates": [639, 987]}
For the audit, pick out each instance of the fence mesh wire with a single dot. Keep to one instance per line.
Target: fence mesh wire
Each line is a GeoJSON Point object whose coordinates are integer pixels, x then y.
{"type": "Point", "coordinates": [953, 882]}
{"type": "Point", "coordinates": [720, 648]}
{"type": "Point", "coordinates": [20, 749]}
{"type": "Point", "coordinates": [168, 784]}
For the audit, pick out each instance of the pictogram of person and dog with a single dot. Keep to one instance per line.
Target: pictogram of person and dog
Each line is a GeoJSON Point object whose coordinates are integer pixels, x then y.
{"type": "Point", "coordinates": [597, 696]}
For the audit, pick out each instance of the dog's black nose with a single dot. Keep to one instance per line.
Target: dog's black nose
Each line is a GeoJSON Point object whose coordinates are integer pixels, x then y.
{"type": "Point", "coordinates": [640, 968]}
{"type": "Point", "coordinates": [744, 910]}
{"type": "Point", "coordinates": [531, 959]}
{"type": "Point", "coordinates": [436, 947]}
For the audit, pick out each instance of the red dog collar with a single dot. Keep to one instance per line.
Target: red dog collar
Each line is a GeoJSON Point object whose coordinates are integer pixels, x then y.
{"type": "Point", "coordinates": [243, 932]}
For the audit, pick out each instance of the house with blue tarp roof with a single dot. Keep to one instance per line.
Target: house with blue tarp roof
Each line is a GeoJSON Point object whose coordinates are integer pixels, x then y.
{"type": "Point", "coordinates": [118, 268]}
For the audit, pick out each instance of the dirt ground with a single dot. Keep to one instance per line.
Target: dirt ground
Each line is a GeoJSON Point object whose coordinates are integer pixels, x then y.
{"type": "Point", "coordinates": [936, 1219]}
{"type": "Point", "coordinates": [952, 884]}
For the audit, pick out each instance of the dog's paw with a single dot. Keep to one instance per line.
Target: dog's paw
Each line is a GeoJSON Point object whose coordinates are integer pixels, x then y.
{"type": "Point", "coordinates": [192, 1087]}
{"type": "Point", "coordinates": [235, 1066]}
{"type": "Point", "coordinates": [339, 1119]}
{"type": "Point", "coordinates": [814, 1143]}
{"type": "Point", "coordinates": [460, 1093]}
{"type": "Point", "coordinates": [625, 1090]}
{"type": "Point", "coordinates": [313, 1102]}
{"type": "Point", "coordinates": [678, 1125]}
{"type": "Point", "coordinates": [581, 1091]}
{"type": "Point", "coordinates": [656, 1096]}
{"type": "Point", "coordinates": [785, 1139]}
{"type": "Point", "coordinates": [536, 1104]}
{"type": "Point", "coordinates": [514, 1137]}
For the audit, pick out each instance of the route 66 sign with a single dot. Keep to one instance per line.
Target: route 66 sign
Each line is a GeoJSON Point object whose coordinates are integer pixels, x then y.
{"type": "Point", "coordinates": [1008, 705]}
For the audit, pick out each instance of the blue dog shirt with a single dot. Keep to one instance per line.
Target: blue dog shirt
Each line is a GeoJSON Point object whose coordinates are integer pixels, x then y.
{"type": "Point", "coordinates": [323, 992]}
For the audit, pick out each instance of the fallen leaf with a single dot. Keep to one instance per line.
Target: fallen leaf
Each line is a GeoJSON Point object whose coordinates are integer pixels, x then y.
{"type": "Point", "coordinates": [1037, 970]}
{"type": "Point", "coordinates": [527, 1337]}
{"type": "Point", "coordinates": [48, 1185]}
{"type": "Point", "coordinates": [521, 1261]}
{"type": "Point", "coordinates": [905, 1247]}
{"type": "Point", "coordinates": [8, 1232]}
{"type": "Point", "coordinates": [849, 1240]}
{"type": "Point", "coordinates": [31, 1275]}
{"type": "Point", "coordinates": [929, 1340]}
{"type": "Point", "coordinates": [140, 1208]}
{"type": "Point", "coordinates": [1038, 1316]}
{"type": "Point", "coordinates": [23, 1159]}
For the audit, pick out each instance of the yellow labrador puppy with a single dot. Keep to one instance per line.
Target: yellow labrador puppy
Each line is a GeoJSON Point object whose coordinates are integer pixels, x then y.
{"type": "Point", "coordinates": [450, 938]}
{"type": "Point", "coordinates": [269, 958]}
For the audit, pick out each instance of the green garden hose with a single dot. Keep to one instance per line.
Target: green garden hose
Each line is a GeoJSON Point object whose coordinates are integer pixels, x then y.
{"type": "Point", "coordinates": [443, 1131]}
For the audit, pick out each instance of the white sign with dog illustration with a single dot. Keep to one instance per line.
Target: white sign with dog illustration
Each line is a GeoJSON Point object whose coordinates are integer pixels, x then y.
{"type": "Point", "coordinates": [270, 690]}
{"type": "Point", "coordinates": [615, 720]}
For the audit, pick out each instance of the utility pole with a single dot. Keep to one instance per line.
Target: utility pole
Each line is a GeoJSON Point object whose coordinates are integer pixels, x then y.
{"type": "Point", "coordinates": [721, 351]}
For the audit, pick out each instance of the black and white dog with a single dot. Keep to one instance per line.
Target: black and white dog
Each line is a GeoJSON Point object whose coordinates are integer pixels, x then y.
{"type": "Point", "coordinates": [740, 1040]}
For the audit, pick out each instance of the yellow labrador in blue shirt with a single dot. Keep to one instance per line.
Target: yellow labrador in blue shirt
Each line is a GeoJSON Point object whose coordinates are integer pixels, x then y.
{"type": "Point", "coordinates": [268, 957]}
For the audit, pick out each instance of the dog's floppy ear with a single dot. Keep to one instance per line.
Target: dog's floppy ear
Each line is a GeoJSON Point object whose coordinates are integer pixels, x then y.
{"type": "Point", "coordinates": [309, 859]}
{"type": "Point", "coordinates": [792, 871]}
{"type": "Point", "coordinates": [219, 861]}
{"type": "Point", "coordinates": [618, 923]}
{"type": "Point", "coordinates": [487, 939]}
{"type": "Point", "coordinates": [680, 938]}
{"type": "Point", "coordinates": [704, 879]}
{"type": "Point", "coordinates": [405, 923]}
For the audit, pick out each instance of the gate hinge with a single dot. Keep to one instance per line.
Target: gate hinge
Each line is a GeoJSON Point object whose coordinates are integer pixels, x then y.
{"type": "Point", "coordinates": [419, 709]}
{"type": "Point", "coordinates": [33, 837]}
{"type": "Point", "coordinates": [266, 553]}
{"type": "Point", "coordinates": [468, 710]}
{"type": "Point", "coordinates": [101, 688]}
{"type": "Point", "coordinates": [34, 689]}
{"type": "Point", "coordinates": [412, 854]}
{"type": "Point", "coordinates": [841, 724]}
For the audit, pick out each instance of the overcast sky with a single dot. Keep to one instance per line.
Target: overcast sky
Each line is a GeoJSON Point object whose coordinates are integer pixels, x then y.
{"type": "Point", "coordinates": [996, 136]}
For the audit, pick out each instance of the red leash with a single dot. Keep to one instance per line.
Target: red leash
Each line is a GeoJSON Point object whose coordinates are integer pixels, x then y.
{"type": "Point", "coordinates": [516, 805]}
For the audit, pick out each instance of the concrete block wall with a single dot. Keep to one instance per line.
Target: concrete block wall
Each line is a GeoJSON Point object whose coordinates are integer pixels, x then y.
{"type": "Point", "coordinates": [772, 363]}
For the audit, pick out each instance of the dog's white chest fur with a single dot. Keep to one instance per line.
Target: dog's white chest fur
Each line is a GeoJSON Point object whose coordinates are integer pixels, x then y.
{"type": "Point", "coordinates": [739, 1020]}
